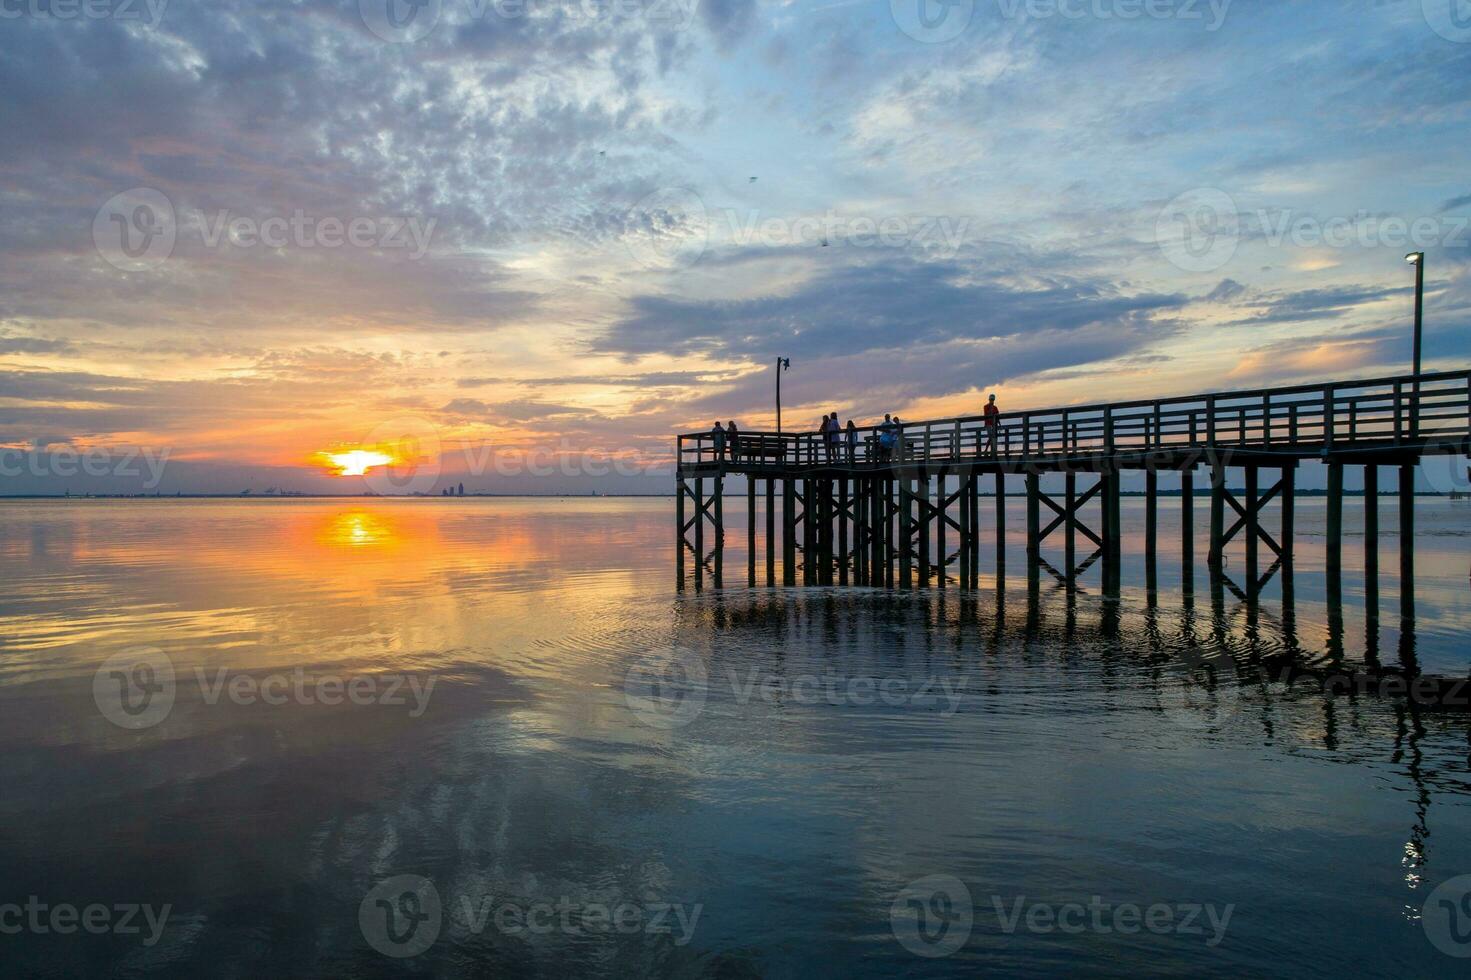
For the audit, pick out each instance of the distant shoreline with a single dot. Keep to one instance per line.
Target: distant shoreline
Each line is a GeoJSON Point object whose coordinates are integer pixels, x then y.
{"type": "Point", "coordinates": [561, 496]}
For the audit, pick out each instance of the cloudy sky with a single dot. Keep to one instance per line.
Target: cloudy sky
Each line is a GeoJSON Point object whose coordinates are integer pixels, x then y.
{"type": "Point", "coordinates": [248, 232]}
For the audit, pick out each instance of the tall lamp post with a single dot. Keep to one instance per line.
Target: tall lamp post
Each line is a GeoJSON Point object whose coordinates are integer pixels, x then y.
{"type": "Point", "coordinates": [1417, 259]}
{"type": "Point", "coordinates": [782, 364]}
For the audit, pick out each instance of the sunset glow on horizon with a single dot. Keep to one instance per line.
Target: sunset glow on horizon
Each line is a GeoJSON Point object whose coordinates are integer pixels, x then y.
{"type": "Point", "coordinates": [357, 462]}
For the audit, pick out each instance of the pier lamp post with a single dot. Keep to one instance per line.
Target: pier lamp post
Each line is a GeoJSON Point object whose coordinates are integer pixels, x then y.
{"type": "Point", "coordinates": [1417, 259]}
{"type": "Point", "coordinates": [782, 364]}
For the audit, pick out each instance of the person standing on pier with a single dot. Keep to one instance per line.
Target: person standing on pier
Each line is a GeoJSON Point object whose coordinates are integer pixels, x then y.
{"type": "Point", "coordinates": [852, 443]}
{"type": "Point", "coordinates": [718, 434]}
{"type": "Point", "coordinates": [733, 439]}
{"type": "Point", "coordinates": [886, 439]}
{"type": "Point", "coordinates": [991, 412]}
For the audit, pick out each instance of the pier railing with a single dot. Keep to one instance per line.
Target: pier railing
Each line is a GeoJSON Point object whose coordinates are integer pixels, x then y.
{"type": "Point", "coordinates": [1399, 411]}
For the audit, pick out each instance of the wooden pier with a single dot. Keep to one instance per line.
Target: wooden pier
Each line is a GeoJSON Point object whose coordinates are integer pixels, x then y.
{"type": "Point", "coordinates": [913, 516]}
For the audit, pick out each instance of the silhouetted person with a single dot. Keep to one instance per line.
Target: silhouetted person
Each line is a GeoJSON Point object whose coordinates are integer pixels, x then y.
{"type": "Point", "coordinates": [718, 434]}
{"type": "Point", "coordinates": [832, 428]}
{"type": "Point", "coordinates": [992, 414]}
{"type": "Point", "coordinates": [733, 437]}
{"type": "Point", "coordinates": [852, 443]}
{"type": "Point", "coordinates": [887, 436]}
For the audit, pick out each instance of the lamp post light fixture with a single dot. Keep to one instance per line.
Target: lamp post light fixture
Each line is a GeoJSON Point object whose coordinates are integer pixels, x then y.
{"type": "Point", "coordinates": [782, 364]}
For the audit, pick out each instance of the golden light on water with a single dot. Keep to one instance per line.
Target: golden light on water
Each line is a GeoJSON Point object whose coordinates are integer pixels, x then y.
{"type": "Point", "coordinates": [356, 462]}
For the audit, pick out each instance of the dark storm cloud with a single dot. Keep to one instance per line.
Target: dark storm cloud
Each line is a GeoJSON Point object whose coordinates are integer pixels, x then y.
{"type": "Point", "coordinates": [873, 306]}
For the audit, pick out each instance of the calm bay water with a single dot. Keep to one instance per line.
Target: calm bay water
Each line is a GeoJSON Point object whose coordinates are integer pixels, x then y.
{"type": "Point", "coordinates": [477, 694]}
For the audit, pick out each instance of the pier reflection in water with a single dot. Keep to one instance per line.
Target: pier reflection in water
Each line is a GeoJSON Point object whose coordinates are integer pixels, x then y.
{"type": "Point", "coordinates": [1050, 745]}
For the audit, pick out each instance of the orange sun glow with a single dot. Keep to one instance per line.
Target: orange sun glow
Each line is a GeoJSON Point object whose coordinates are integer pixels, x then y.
{"type": "Point", "coordinates": [356, 462]}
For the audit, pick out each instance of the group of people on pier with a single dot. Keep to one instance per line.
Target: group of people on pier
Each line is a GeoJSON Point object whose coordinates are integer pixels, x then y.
{"type": "Point", "coordinates": [839, 442]}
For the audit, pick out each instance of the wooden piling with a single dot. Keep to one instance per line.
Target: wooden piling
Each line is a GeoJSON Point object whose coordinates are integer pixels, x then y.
{"type": "Point", "coordinates": [770, 535]}
{"type": "Point", "coordinates": [1187, 530]}
{"type": "Point", "coordinates": [843, 531]}
{"type": "Point", "coordinates": [966, 555]}
{"type": "Point", "coordinates": [1070, 528]}
{"type": "Point", "coordinates": [1334, 559]}
{"type": "Point", "coordinates": [1034, 530]}
{"type": "Point", "coordinates": [699, 532]}
{"type": "Point", "coordinates": [679, 539]}
{"type": "Point", "coordinates": [1218, 517]}
{"type": "Point", "coordinates": [922, 527]}
{"type": "Point", "coordinates": [719, 529]}
{"type": "Point", "coordinates": [1151, 530]}
{"type": "Point", "coordinates": [1000, 523]}
{"type": "Point", "coordinates": [906, 533]}
{"type": "Point", "coordinates": [940, 512]}
{"type": "Point", "coordinates": [1371, 541]}
{"type": "Point", "coordinates": [1407, 542]}
{"type": "Point", "coordinates": [1289, 517]}
{"type": "Point", "coordinates": [750, 532]}
{"type": "Point", "coordinates": [789, 532]}
{"type": "Point", "coordinates": [1253, 531]}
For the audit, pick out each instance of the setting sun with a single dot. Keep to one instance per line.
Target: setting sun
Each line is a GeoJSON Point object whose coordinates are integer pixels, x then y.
{"type": "Point", "coordinates": [356, 462]}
